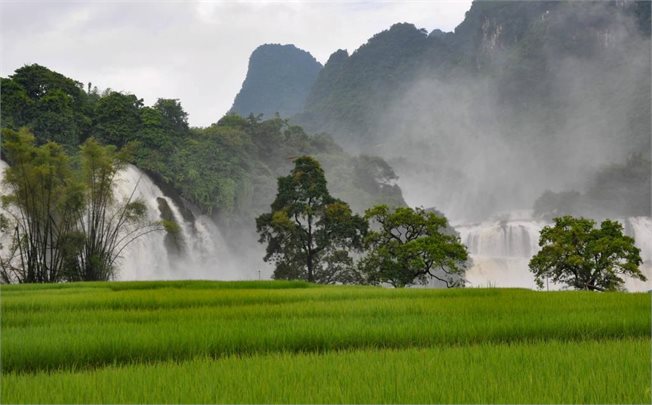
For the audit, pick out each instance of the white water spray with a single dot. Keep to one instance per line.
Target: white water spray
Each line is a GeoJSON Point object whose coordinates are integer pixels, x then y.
{"type": "Point", "coordinates": [501, 249]}
{"type": "Point", "coordinates": [201, 252]}
{"type": "Point", "coordinates": [5, 237]}
{"type": "Point", "coordinates": [640, 228]}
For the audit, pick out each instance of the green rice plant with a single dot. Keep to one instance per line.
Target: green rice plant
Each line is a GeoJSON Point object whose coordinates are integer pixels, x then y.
{"type": "Point", "coordinates": [605, 371]}
{"type": "Point", "coordinates": [95, 324]}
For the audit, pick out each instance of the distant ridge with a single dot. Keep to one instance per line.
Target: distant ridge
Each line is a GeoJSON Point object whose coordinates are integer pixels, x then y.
{"type": "Point", "coordinates": [278, 81]}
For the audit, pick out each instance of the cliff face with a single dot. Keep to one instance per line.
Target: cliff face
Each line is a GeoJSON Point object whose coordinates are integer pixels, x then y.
{"type": "Point", "coordinates": [523, 97]}
{"type": "Point", "coordinates": [517, 45]}
{"type": "Point", "coordinates": [278, 81]}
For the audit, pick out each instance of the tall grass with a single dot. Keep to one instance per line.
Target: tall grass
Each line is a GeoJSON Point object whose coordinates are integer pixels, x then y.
{"type": "Point", "coordinates": [611, 371]}
{"type": "Point", "coordinates": [78, 326]}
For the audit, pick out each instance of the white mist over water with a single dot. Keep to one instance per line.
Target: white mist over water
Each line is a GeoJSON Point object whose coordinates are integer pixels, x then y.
{"type": "Point", "coordinates": [201, 254]}
{"type": "Point", "coordinates": [5, 238]}
{"type": "Point", "coordinates": [501, 249]}
{"type": "Point", "coordinates": [197, 251]}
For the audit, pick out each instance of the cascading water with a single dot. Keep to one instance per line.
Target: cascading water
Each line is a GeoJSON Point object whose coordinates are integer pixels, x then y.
{"type": "Point", "coordinates": [640, 228]}
{"type": "Point", "coordinates": [5, 238]}
{"type": "Point", "coordinates": [502, 248]}
{"type": "Point", "coordinates": [196, 251]}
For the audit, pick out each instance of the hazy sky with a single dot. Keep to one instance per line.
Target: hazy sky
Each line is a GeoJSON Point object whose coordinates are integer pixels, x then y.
{"type": "Point", "coordinates": [194, 51]}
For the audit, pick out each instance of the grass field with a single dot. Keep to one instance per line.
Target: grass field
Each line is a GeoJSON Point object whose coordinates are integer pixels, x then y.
{"type": "Point", "coordinates": [264, 342]}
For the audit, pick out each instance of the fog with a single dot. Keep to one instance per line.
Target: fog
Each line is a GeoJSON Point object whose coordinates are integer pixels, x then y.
{"type": "Point", "coordinates": [470, 145]}
{"type": "Point", "coordinates": [198, 250]}
{"type": "Point", "coordinates": [478, 144]}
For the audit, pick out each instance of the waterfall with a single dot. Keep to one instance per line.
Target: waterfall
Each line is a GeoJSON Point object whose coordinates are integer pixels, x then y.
{"type": "Point", "coordinates": [502, 247]}
{"type": "Point", "coordinates": [5, 238]}
{"type": "Point", "coordinates": [197, 251]}
{"type": "Point", "coordinates": [640, 228]}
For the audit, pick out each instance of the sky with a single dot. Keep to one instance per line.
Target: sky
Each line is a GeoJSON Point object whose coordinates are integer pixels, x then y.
{"type": "Point", "coordinates": [196, 52]}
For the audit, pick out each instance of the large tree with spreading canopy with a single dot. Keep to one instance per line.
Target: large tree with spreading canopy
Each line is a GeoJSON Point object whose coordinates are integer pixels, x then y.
{"type": "Point", "coordinates": [309, 233]}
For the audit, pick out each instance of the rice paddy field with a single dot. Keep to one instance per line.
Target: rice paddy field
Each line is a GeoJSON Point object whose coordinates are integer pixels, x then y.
{"type": "Point", "coordinates": [293, 342]}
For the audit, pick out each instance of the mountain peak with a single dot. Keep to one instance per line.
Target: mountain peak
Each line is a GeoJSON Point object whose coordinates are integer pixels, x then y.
{"type": "Point", "coordinates": [278, 80]}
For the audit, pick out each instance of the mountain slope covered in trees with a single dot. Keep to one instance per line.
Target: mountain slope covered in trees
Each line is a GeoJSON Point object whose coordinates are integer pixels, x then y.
{"type": "Point", "coordinates": [228, 169]}
{"type": "Point", "coordinates": [523, 97]}
{"type": "Point", "coordinates": [278, 81]}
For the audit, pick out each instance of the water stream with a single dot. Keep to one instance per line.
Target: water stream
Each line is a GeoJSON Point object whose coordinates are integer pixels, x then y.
{"type": "Point", "coordinates": [500, 247]}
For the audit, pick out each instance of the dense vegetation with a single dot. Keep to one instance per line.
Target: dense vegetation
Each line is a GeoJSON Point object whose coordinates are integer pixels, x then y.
{"type": "Point", "coordinates": [409, 246]}
{"type": "Point", "coordinates": [576, 254]}
{"type": "Point", "coordinates": [623, 189]}
{"type": "Point", "coordinates": [518, 45]}
{"type": "Point", "coordinates": [551, 81]}
{"type": "Point", "coordinates": [228, 168]}
{"type": "Point", "coordinates": [296, 342]}
{"type": "Point", "coordinates": [310, 234]}
{"type": "Point", "coordinates": [62, 218]}
{"type": "Point", "coordinates": [278, 81]}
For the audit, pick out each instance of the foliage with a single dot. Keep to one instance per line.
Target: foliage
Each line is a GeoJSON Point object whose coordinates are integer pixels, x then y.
{"type": "Point", "coordinates": [308, 232]}
{"type": "Point", "coordinates": [175, 119]}
{"type": "Point", "coordinates": [117, 118]}
{"type": "Point", "coordinates": [106, 226]}
{"type": "Point", "coordinates": [578, 255]}
{"type": "Point", "coordinates": [43, 197]}
{"type": "Point", "coordinates": [366, 343]}
{"type": "Point", "coordinates": [52, 105]}
{"type": "Point", "coordinates": [67, 224]}
{"type": "Point", "coordinates": [227, 169]}
{"type": "Point", "coordinates": [278, 81]}
{"type": "Point", "coordinates": [567, 372]}
{"type": "Point", "coordinates": [210, 167]}
{"type": "Point", "coordinates": [409, 246]}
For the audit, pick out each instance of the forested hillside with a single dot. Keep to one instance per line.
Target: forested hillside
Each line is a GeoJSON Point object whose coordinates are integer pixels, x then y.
{"type": "Point", "coordinates": [521, 98]}
{"type": "Point", "coordinates": [278, 81]}
{"type": "Point", "coordinates": [228, 169]}
{"type": "Point", "coordinates": [519, 45]}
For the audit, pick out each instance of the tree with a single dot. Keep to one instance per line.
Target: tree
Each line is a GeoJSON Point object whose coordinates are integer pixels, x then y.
{"type": "Point", "coordinates": [308, 232]}
{"type": "Point", "coordinates": [106, 226]}
{"type": "Point", "coordinates": [409, 246]}
{"type": "Point", "coordinates": [16, 105]}
{"type": "Point", "coordinates": [53, 106]}
{"type": "Point", "coordinates": [578, 255]}
{"type": "Point", "coordinates": [55, 118]}
{"type": "Point", "coordinates": [117, 118]}
{"type": "Point", "coordinates": [43, 197]}
{"type": "Point", "coordinates": [175, 118]}
{"type": "Point", "coordinates": [65, 224]}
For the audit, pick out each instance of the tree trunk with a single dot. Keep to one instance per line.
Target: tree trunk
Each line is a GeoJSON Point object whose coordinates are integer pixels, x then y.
{"type": "Point", "coordinates": [311, 277]}
{"type": "Point", "coordinates": [311, 253]}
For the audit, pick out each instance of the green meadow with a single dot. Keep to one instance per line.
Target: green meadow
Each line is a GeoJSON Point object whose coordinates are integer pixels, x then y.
{"type": "Point", "coordinates": [294, 342]}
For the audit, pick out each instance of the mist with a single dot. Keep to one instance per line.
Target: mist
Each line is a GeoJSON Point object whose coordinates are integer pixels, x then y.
{"type": "Point", "coordinates": [470, 145]}
{"type": "Point", "coordinates": [480, 142]}
{"type": "Point", "coordinates": [197, 250]}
